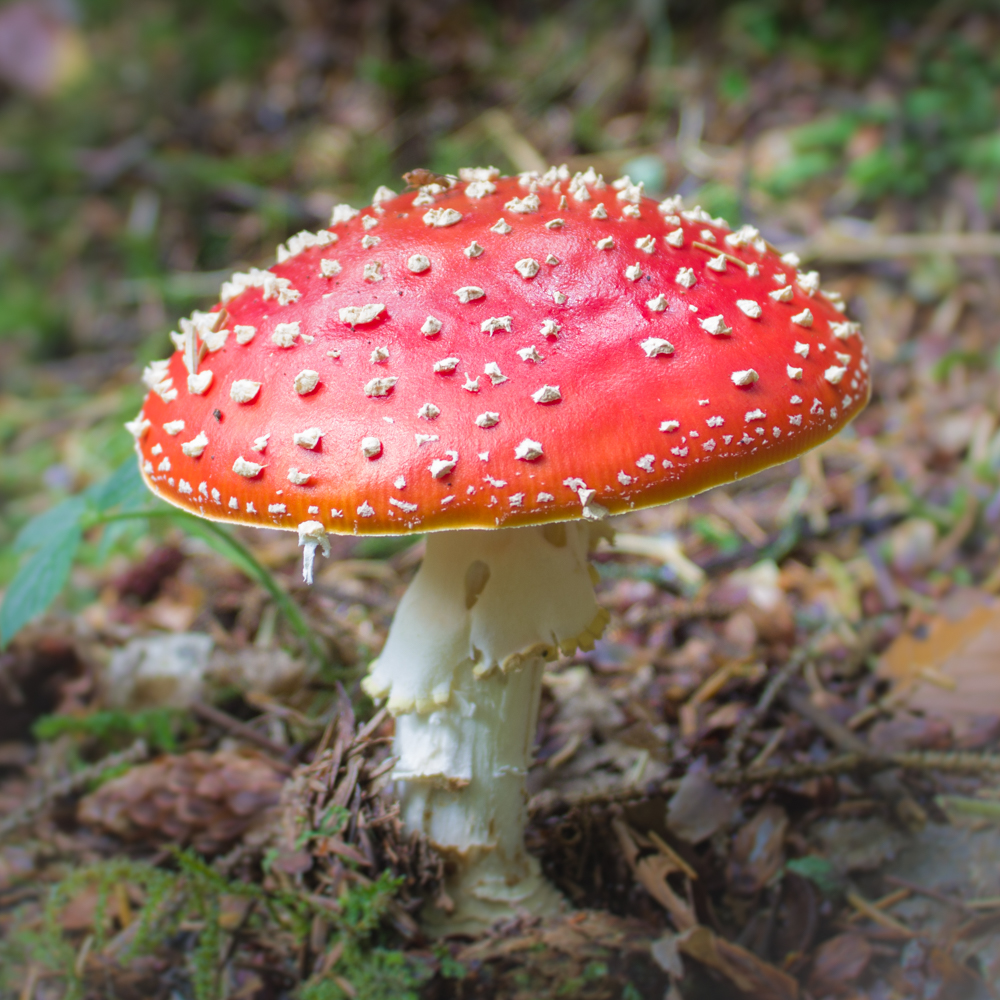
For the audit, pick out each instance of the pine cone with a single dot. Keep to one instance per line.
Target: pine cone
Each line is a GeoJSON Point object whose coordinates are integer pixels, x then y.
{"type": "Point", "coordinates": [204, 800]}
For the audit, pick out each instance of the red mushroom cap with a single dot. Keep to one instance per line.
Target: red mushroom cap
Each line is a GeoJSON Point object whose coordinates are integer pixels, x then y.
{"type": "Point", "coordinates": [497, 351]}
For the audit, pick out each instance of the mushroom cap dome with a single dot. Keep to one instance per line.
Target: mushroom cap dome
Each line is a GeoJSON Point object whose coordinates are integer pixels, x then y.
{"type": "Point", "coordinates": [497, 352]}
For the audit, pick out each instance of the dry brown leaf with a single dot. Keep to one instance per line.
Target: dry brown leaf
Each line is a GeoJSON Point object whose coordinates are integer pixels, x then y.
{"type": "Point", "coordinates": [697, 809]}
{"type": "Point", "coordinates": [651, 873]}
{"type": "Point", "coordinates": [906, 731]}
{"type": "Point", "coordinates": [758, 850]}
{"type": "Point", "coordinates": [78, 914]}
{"type": "Point", "coordinates": [838, 964]}
{"type": "Point", "coordinates": [742, 968]}
{"type": "Point", "coordinates": [953, 670]}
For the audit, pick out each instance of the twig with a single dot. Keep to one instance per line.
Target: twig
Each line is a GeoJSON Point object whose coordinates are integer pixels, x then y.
{"type": "Point", "coordinates": [984, 903]}
{"type": "Point", "coordinates": [225, 721]}
{"type": "Point", "coordinates": [744, 727]}
{"type": "Point", "coordinates": [883, 903]}
{"type": "Point", "coordinates": [840, 736]}
{"type": "Point", "coordinates": [906, 807]}
{"type": "Point", "coordinates": [773, 742]}
{"type": "Point", "coordinates": [19, 895]}
{"type": "Point", "coordinates": [665, 849]}
{"type": "Point", "coordinates": [953, 761]}
{"type": "Point", "coordinates": [715, 250]}
{"type": "Point", "coordinates": [873, 913]}
{"type": "Point", "coordinates": [920, 890]}
{"type": "Point", "coordinates": [914, 760]}
{"type": "Point", "coordinates": [832, 246]}
{"type": "Point", "coordinates": [70, 785]}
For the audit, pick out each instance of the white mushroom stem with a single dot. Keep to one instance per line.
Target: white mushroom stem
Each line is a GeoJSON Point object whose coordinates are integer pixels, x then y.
{"type": "Point", "coordinates": [462, 670]}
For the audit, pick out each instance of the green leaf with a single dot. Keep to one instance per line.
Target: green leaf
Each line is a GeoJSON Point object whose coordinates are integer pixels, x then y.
{"type": "Point", "coordinates": [818, 870]}
{"type": "Point", "coordinates": [123, 488]}
{"type": "Point", "coordinates": [38, 582]}
{"type": "Point", "coordinates": [115, 531]}
{"type": "Point", "coordinates": [51, 524]}
{"type": "Point", "coordinates": [449, 966]}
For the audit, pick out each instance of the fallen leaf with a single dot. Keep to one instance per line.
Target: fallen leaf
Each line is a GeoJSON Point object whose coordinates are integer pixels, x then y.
{"type": "Point", "coordinates": [651, 873]}
{"type": "Point", "coordinates": [838, 964]}
{"type": "Point", "coordinates": [742, 968]}
{"type": "Point", "coordinates": [741, 633]}
{"type": "Point", "coordinates": [581, 703]}
{"type": "Point", "coordinates": [906, 731]}
{"type": "Point", "coordinates": [78, 913]}
{"type": "Point", "coordinates": [974, 732]}
{"type": "Point", "coordinates": [257, 671]}
{"type": "Point", "coordinates": [232, 911]}
{"type": "Point", "coordinates": [587, 932]}
{"type": "Point", "coordinates": [857, 845]}
{"type": "Point", "coordinates": [951, 668]}
{"type": "Point", "coordinates": [697, 809]}
{"type": "Point", "coordinates": [758, 851]}
{"type": "Point", "coordinates": [667, 955]}
{"type": "Point", "coordinates": [158, 671]}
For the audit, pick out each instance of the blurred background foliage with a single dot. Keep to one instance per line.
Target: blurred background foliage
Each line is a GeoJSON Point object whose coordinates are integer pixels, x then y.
{"type": "Point", "coordinates": [148, 147]}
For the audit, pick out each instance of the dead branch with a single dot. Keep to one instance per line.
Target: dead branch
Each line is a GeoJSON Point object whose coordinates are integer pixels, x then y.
{"type": "Point", "coordinates": [744, 727]}
{"type": "Point", "coordinates": [70, 785]}
{"type": "Point", "coordinates": [953, 762]}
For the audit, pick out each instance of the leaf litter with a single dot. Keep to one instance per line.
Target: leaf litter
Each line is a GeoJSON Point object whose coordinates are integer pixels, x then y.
{"type": "Point", "coordinates": [775, 775]}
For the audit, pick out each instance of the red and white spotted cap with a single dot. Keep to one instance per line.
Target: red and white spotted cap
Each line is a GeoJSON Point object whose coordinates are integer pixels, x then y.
{"type": "Point", "coordinates": [488, 351]}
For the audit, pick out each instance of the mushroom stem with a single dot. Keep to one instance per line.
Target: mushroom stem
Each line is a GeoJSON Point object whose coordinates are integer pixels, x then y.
{"type": "Point", "coordinates": [462, 669]}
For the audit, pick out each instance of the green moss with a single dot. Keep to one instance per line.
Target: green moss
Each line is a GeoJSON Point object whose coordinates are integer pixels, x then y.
{"type": "Point", "coordinates": [159, 727]}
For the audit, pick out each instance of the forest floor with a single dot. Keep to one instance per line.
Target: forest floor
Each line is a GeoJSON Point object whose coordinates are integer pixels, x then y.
{"type": "Point", "coordinates": [776, 775]}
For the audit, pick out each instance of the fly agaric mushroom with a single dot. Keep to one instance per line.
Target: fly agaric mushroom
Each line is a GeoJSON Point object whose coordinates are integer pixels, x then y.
{"type": "Point", "coordinates": [527, 354]}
